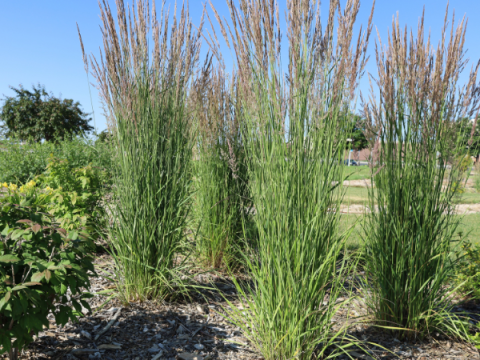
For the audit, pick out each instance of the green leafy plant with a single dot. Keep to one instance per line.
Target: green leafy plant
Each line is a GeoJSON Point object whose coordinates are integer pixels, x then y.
{"type": "Point", "coordinates": [475, 338]}
{"type": "Point", "coordinates": [87, 184]}
{"type": "Point", "coordinates": [20, 163]}
{"type": "Point", "coordinates": [467, 268]}
{"type": "Point", "coordinates": [39, 263]}
{"type": "Point", "coordinates": [409, 236]}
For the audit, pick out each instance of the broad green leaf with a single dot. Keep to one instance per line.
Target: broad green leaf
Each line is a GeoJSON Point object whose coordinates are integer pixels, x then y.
{"type": "Point", "coordinates": [74, 198]}
{"type": "Point", "coordinates": [5, 299]}
{"type": "Point", "coordinates": [38, 276]}
{"type": "Point", "coordinates": [9, 259]}
{"type": "Point", "coordinates": [19, 287]}
{"type": "Point", "coordinates": [17, 233]}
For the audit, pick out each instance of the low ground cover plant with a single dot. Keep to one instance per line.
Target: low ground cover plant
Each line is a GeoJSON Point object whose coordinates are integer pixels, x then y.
{"type": "Point", "coordinates": [39, 263]}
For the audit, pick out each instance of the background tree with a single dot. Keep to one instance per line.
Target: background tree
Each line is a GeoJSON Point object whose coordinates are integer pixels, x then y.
{"type": "Point", "coordinates": [359, 140]}
{"type": "Point", "coordinates": [36, 115]}
{"type": "Point", "coordinates": [470, 138]}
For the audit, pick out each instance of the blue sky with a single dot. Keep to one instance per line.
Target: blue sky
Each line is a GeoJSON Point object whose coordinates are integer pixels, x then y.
{"type": "Point", "coordinates": [39, 41]}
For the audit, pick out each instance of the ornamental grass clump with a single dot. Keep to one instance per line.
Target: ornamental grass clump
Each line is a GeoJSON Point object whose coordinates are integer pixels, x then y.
{"type": "Point", "coordinates": [294, 139]}
{"type": "Point", "coordinates": [222, 200]}
{"type": "Point", "coordinates": [145, 91]}
{"type": "Point", "coordinates": [409, 237]}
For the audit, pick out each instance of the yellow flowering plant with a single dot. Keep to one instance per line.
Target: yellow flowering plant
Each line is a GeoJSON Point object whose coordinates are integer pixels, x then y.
{"type": "Point", "coordinates": [75, 195]}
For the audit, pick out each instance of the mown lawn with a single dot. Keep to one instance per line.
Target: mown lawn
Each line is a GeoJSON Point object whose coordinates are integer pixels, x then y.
{"type": "Point", "coordinates": [359, 196]}
{"type": "Point", "coordinates": [357, 172]}
{"type": "Point", "coordinates": [469, 228]}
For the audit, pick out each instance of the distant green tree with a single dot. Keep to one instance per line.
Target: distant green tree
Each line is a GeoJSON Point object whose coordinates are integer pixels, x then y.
{"type": "Point", "coordinates": [36, 115]}
{"type": "Point", "coordinates": [470, 141]}
{"type": "Point", "coordinates": [104, 136]}
{"type": "Point", "coordinates": [359, 141]}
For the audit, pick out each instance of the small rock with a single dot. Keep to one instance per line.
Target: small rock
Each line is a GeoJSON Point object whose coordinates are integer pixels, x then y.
{"type": "Point", "coordinates": [145, 329]}
{"type": "Point", "coordinates": [50, 353]}
{"type": "Point", "coordinates": [199, 346]}
{"type": "Point", "coordinates": [201, 309]}
{"type": "Point", "coordinates": [86, 334]}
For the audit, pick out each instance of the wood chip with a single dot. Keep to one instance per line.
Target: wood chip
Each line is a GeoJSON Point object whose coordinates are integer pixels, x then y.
{"type": "Point", "coordinates": [110, 323]}
{"type": "Point", "coordinates": [190, 356]}
{"type": "Point", "coordinates": [109, 347]}
{"type": "Point", "coordinates": [84, 351]}
{"type": "Point", "coordinates": [157, 357]}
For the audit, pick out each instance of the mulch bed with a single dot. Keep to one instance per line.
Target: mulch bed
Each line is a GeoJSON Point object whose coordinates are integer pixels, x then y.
{"type": "Point", "coordinates": [196, 330]}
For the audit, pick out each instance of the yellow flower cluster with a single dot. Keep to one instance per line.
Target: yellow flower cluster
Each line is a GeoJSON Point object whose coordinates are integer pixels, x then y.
{"type": "Point", "coordinates": [23, 189]}
{"type": "Point", "coordinates": [28, 186]}
{"type": "Point", "coordinates": [11, 187]}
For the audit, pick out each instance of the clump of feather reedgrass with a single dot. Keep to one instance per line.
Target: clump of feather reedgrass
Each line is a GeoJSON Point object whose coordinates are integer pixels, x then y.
{"type": "Point", "coordinates": [294, 134]}
{"type": "Point", "coordinates": [144, 91]}
{"type": "Point", "coordinates": [408, 241]}
{"type": "Point", "coordinates": [222, 200]}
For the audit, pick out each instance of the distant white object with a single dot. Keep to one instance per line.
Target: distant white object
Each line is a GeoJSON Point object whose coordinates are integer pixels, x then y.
{"type": "Point", "coordinates": [350, 152]}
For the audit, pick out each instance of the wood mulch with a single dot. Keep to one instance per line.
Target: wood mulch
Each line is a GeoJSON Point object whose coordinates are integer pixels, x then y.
{"type": "Point", "coordinates": [196, 330]}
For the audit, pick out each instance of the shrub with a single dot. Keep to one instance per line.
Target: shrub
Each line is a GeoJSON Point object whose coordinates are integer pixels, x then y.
{"type": "Point", "coordinates": [72, 196]}
{"type": "Point", "coordinates": [152, 146]}
{"type": "Point", "coordinates": [408, 247]}
{"type": "Point", "coordinates": [467, 269]}
{"type": "Point", "coordinates": [39, 263]}
{"type": "Point", "coordinates": [477, 177]}
{"type": "Point", "coordinates": [22, 162]}
{"type": "Point", "coordinates": [83, 186]}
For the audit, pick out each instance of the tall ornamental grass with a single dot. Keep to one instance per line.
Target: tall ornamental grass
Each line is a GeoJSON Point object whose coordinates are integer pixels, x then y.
{"type": "Point", "coordinates": [295, 140]}
{"type": "Point", "coordinates": [409, 238]}
{"type": "Point", "coordinates": [145, 93]}
{"type": "Point", "coordinates": [222, 200]}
